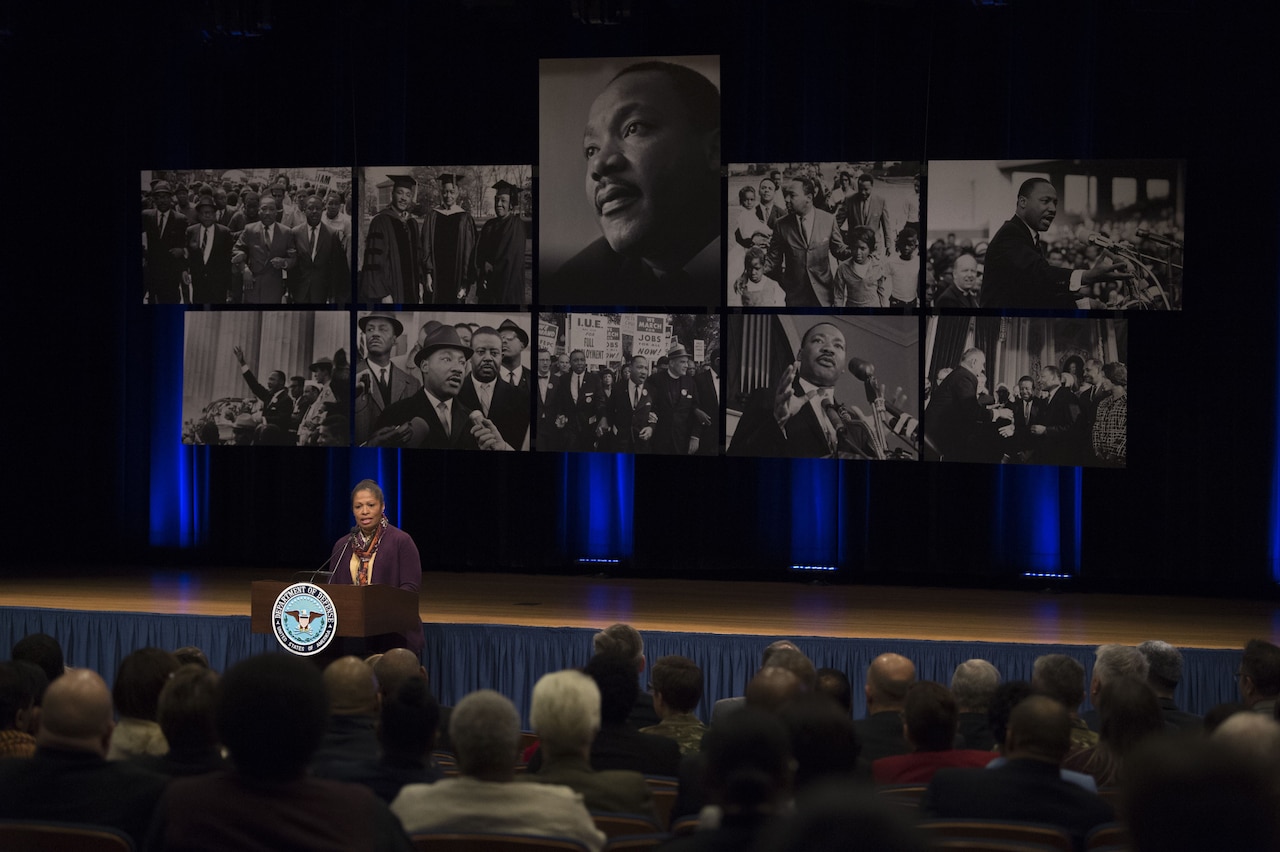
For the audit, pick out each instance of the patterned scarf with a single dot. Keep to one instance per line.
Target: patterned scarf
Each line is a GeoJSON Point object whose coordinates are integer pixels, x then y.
{"type": "Point", "coordinates": [365, 548]}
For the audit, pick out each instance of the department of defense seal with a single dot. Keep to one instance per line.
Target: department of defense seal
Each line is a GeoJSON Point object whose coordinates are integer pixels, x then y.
{"type": "Point", "coordinates": [304, 619]}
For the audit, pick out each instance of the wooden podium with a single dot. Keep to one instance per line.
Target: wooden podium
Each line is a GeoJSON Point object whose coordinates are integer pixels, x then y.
{"type": "Point", "coordinates": [371, 613]}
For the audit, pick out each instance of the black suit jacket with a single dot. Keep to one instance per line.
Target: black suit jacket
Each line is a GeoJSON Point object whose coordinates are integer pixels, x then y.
{"type": "Point", "coordinates": [508, 409]}
{"type": "Point", "coordinates": [581, 415]}
{"type": "Point", "coordinates": [880, 735]}
{"type": "Point", "coordinates": [626, 420]}
{"type": "Point", "coordinates": [328, 276]}
{"type": "Point", "coordinates": [955, 420]}
{"type": "Point", "coordinates": [598, 275]}
{"type": "Point", "coordinates": [418, 405]}
{"type": "Point", "coordinates": [673, 401]}
{"type": "Point", "coordinates": [163, 275]}
{"type": "Point", "coordinates": [1017, 275]}
{"type": "Point", "coordinates": [708, 385]}
{"type": "Point", "coordinates": [277, 408]}
{"type": "Point", "coordinates": [210, 282]}
{"type": "Point", "coordinates": [758, 433]}
{"type": "Point", "coordinates": [1060, 416]}
{"type": "Point", "coordinates": [548, 437]}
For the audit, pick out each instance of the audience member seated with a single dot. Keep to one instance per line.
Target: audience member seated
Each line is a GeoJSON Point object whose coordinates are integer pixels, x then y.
{"type": "Point", "coordinates": [836, 816]}
{"type": "Point", "coordinates": [187, 720]}
{"type": "Point", "coordinates": [485, 730]}
{"type": "Point", "coordinates": [728, 705]}
{"type": "Point", "coordinates": [929, 719]}
{"type": "Point", "coordinates": [823, 741]}
{"type": "Point", "coordinates": [1111, 662]}
{"type": "Point", "coordinates": [618, 745]}
{"type": "Point", "coordinates": [1062, 678]}
{"type": "Point", "coordinates": [835, 684]}
{"type": "Point", "coordinates": [1163, 676]}
{"type": "Point", "coordinates": [1130, 714]}
{"type": "Point", "coordinates": [676, 684]}
{"type": "Point", "coordinates": [191, 655]}
{"type": "Point", "coordinates": [1007, 696]}
{"type": "Point", "coordinates": [973, 684]}
{"type": "Point", "coordinates": [69, 779]}
{"type": "Point", "coordinates": [351, 734]}
{"type": "Point", "coordinates": [20, 682]}
{"type": "Point", "coordinates": [406, 732]}
{"type": "Point", "coordinates": [624, 640]}
{"type": "Point", "coordinates": [1027, 787]}
{"type": "Point", "coordinates": [271, 713]}
{"type": "Point", "coordinates": [1250, 736]}
{"type": "Point", "coordinates": [888, 678]}
{"type": "Point", "coordinates": [1260, 676]}
{"type": "Point", "coordinates": [394, 668]}
{"type": "Point", "coordinates": [1220, 713]}
{"type": "Point", "coordinates": [44, 652]}
{"type": "Point", "coordinates": [141, 676]}
{"type": "Point", "coordinates": [565, 713]}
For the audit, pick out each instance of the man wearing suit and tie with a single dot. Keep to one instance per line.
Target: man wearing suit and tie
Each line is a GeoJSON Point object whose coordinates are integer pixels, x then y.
{"type": "Point", "coordinates": [799, 416]}
{"type": "Point", "coordinates": [630, 410]}
{"type": "Point", "coordinates": [957, 425]}
{"type": "Point", "coordinates": [208, 256]}
{"type": "Point", "coordinates": [514, 341]}
{"type": "Point", "coordinates": [265, 246]}
{"type": "Point", "coordinates": [577, 405]}
{"type": "Point", "coordinates": [320, 274]}
{"type": "Point", "coordinates": [864, 210]}
{"type": "Point", "coordinates": [800, 251]}
{"type": "Point", "coordinates": [165, 230]}
{"type": "Point", "coordinates": [1026, 410]}
{"type": "Point", "coordinates": [679, 418]}
{"type": "Point", "coordinates": [434, 418]}
{"type": "Point", "coordinates": [277, 405]}
{"type": "Point", "coordinates": [381, 383]}
{"type": "Point", "coordinates": [767, 211]}
{"type": "Point", "coordinates": [500, 403]}
{"type": "Point", "coordinates": [1017, 274]}
{"type": "Point", "coordinates": [1055, 433]}
{"type": "Point", "coordinates": [544, 399]}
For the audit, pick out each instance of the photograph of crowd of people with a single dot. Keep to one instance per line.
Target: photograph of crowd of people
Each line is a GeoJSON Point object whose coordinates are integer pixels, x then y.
{"type": "Point", "coordinates": [628, 383]}
{"type": "Point", "coordinates": [1027, 390]}
{"type": "Point", "coordinates": [446, 235]}
{"type": "Point", "coordinates": [642, 137]}
{"type": "Point", "coordinates": [246, 236]}
{"type": "Point", "coordinates": [456, 380]}
{"type": "Point", "coordinates": [831, 235]}
{"type": "Point", "coordinates": [812, 386]}
{"type": "Point", "coordinates": [300, 355]}
{"type": "Point", "coordinates": [1055, 234]}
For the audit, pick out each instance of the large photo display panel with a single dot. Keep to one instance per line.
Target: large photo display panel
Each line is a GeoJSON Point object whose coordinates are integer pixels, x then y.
{"type": "Point", "coordinates": [446, 235]}
{"type": "Point", "coordinates": [1027, 390]}
{"type": "Point", "coordinates": [266, 378]}
{"type": "Point", "coordinates": [1055, 234]}
{"type": "Point", "coordinates": [630, 172]}
{"type": "Point", "coordinates": [246, 236]}
{"type": "Point", "coordinates": [629, 383]}
{"type": "Point", "coordinates": [813, 386]}
{"type": "Point", "coordinates": [443, 380]}
{"type": "Point", "coordinates": [842, 235]}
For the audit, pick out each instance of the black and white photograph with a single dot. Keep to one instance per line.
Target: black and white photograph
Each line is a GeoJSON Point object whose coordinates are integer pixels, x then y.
{"type": "Point", "coordinates": [629, 168]}
{"type": "Point", "coordinates": [1055, 234]}
{"type": "Point", "coordinates": [266, 378]}
{"type": "Point", "coordinates": [830, 235]}
{"type": "Point", "coordinates": [443, 380]}
{"type": "Point", "coordinates": [1027, 390]}
{"type": "Point", "coordinates": [446, 235]}
{"type": "Point", "coordinates": [629, 383]}
{"type": "Point", "coordinates": [246, 236]}
{"type": "Point", "coordinates": [813, 386]}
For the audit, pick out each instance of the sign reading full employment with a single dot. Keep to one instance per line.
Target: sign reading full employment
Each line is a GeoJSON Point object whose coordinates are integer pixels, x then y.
{"type": "Point", "coordinates": [598, 337]}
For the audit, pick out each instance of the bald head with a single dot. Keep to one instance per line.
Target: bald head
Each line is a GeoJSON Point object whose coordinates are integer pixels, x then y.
{"type": "Point", "coordinates": [888, 678]}
{"type": "Point", "coordinates": [395, 667]}
{"type": "Point", "coordinates": [77, 713]}
{"type": "Point", "coordinates": [351, 687]}
{"type": "Point", "coordinates": [1039, 728]}
{"type": "Point", "coordinates": [771, 688]}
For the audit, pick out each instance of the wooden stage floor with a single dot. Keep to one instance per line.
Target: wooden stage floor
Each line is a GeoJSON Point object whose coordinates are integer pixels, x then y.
{"type": "Point", "coordinates": [713, 606]}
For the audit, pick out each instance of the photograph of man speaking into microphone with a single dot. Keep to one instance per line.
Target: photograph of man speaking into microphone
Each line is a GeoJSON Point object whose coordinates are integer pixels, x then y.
{"type": "Point", "coordinates": [812, 386]}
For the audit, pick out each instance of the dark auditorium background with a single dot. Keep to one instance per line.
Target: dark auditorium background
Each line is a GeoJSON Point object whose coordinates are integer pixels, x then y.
{"type": "Point", "coordinates": [97, 476]}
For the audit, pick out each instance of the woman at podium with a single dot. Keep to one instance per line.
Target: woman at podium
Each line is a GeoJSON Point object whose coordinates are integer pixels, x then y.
{"type": "Point", "coordinates": [376, 552]}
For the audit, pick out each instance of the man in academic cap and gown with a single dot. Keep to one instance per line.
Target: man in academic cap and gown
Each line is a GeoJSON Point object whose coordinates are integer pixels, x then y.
{"type": "Point", "coordinates": [391, 259]}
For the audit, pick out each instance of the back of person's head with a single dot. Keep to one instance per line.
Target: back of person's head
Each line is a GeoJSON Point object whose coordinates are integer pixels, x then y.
{"type": "Point", "coordinates": [141, 676]}
{"type": "Point", "coordinates": [191, 655]}
{"type": "Point", "coordinates": [1220, 713]}
{"type": "Point", "coordinates": [797, 663]}
{"type": "Point", "coordinates": [773, 648]}
{"type": "Point", "coordinates": [395, 667]}
{"type": "Point", "coordinates": [615, 675]}
{"type": "Point", "coordinates": [271, 715]}
{"type": "Point", "coordinates": [352, 687]}
{"type": "Point", "coordinates": [622, 640]}
{"type": "Point", "coordinates": [748, 758]}
{"type": "Point", "coordinates": [1007, 696]}
{"type": "Point", "coordinates": [888, 678]}
{"type": "Point", "coordinates": [1250, 736]}
{"type": "Point", "coordinates": [485, 730]}
{"type": "Point", "coordinates": [18, 689]}
{"type": "Point", "coordinates": [1261, 663]}
{"type": "Point", "coordinates": [824, 742]}
{"type": "Point", "coordinates": [1165, 664]}
{"type": "Point", "coordinates": [1061, 678]}
{"type": "Point", "coordinates": [410, 716]}
{"type": "Point", "coordinates": [1189, 795]}
{"type": "Point", "coordinates": [1115, 661]}
{"type": "Point", "coordinates": [76, 713]}
{"type": "Point", "coordinates": [1128, 713]}
{"type": "Point", "coordinates": [838, 815]}
{"type": "Point", "coordinates": [1039, 727]}
{"type": "Point", "coordinates": [186, 710]}
{"type": "Point", "coordinates": [679, 681]}
{"type": "Point", "coordinates": [43, 650]}
{"type": "Point", "coordinates": [771, 689]}
{"type": "Point", "coordinates": [565, 711]}
{"type": "Point", "coordinates": [973, 684]}
{"type": "Point", "coordinates": [930, 715]}
{"type": "Point", "coordinates": [834, 684]}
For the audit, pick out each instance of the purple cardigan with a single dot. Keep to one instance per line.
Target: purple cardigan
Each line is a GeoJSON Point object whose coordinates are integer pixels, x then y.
{"type": "Point", "coordinates": [397, 564]}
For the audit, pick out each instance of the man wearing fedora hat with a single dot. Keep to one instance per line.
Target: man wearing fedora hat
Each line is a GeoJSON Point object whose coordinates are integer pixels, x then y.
{"type": "Point", "coordinates": [208, 256]}
{"type": "Point", "coordinates": [514, 341]}
{"type": "Point", "coordinates": [434, 418]}
{"type": "Point", "coordinates": [165, 231]}
{"type": "Point", "coordinates": [380, 383]}
{"type": "Point", "coordinates": [676, 405]}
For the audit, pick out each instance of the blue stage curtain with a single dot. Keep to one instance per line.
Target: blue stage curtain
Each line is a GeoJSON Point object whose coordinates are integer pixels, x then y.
{"type": "Point", "coordinates": [461, 658]}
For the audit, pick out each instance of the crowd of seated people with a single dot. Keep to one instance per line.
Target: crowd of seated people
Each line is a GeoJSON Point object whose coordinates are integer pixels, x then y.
{"type": "Point", "coordinates": [277, 753]}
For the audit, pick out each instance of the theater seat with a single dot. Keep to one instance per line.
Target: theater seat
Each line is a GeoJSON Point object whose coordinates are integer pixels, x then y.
{"type": "Point", "coordinates": [39, 836]}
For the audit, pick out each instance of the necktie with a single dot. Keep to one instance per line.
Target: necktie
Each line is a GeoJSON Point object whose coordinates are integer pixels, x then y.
{"type": "Point", "coordinates": [444, 417]}
{"type": "Point", "coordinates": [804, 231]}
{"type": "Point", "coordinates": [164, 217]}
{"type": "Point", "coordinates": [486, 394]}
{"type": "Point", "coordinates": [511, 377]}
{"type": "Point", "coordinates": [635, 396]}
{"type": "Point", "coordinates": [1026, 411]}
{"type": "Point", "coordinates": [266, 235]}
{"type": "Point", "coordinates": [577, 386]}
{"type": "Point", "coordinates": [313, 242]}
{"type": "Point", "coordinates": [204, 239]}
{"type": "Point", "coordinates": [383, 387]}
